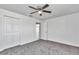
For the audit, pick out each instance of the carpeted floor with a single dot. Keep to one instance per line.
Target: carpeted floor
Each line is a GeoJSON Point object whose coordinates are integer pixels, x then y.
{"type": "Point", "coordinates": [42, 47]}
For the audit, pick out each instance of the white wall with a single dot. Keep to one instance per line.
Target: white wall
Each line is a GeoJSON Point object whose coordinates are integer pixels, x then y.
{"type": "Point", "coordinates": [64, 29]}
{"type": "Point", "coordinates": [16, 29]}
{"type": "Point", "coordinates": [44, 30]}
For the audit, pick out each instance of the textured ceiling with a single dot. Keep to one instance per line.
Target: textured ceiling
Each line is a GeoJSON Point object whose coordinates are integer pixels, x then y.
{"type": "Point", "coordinates": [57, 10]}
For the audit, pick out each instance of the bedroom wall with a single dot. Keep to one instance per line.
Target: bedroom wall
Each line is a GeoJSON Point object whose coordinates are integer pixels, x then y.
{"type": "Point", "coordinates": [64, 29]}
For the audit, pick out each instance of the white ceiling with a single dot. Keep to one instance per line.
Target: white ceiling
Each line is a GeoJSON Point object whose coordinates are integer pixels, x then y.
{"type": "Point", "coordinates": [57, 10]}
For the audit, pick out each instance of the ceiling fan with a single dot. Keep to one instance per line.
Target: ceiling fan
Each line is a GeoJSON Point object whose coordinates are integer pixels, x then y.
{"type": "Point", "coordinates": [40, 9]}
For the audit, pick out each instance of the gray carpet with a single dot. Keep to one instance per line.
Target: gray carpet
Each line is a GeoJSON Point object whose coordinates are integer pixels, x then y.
{"type": "Point", "coordinates": [42, 47]}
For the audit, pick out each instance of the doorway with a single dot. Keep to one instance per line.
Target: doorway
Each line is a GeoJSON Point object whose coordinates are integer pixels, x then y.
{"type": "Point", "coordinates": [38, 30]}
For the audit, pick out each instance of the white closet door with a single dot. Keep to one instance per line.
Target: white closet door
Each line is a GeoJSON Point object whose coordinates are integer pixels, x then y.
{"type": "Point", "coordinates": [10, 33]}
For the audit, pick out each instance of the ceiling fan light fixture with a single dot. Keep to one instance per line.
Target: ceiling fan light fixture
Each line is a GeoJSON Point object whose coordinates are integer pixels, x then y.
{"type": "Point", "coordinates": [40, 12]}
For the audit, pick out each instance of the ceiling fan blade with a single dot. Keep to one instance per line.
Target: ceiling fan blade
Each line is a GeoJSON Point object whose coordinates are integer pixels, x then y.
{"type": "Point", "coordinates": [45, 6]}
{"type": "Point", "coordinates": [33, 7]}
{"type": "Point", "coordinates": [47, 11]}
{"type": "Point", "coordinates": [33, 12]}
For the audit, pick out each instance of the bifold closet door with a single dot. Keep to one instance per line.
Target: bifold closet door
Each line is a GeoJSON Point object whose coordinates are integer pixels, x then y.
{"type": "Point", "coordinates": [10, 33]}
{"type": "Point", "coordinates": [16, 31]}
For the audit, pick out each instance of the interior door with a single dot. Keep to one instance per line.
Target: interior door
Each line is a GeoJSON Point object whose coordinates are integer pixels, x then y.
{"type": "Point", "coordinates": [10, 33]}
